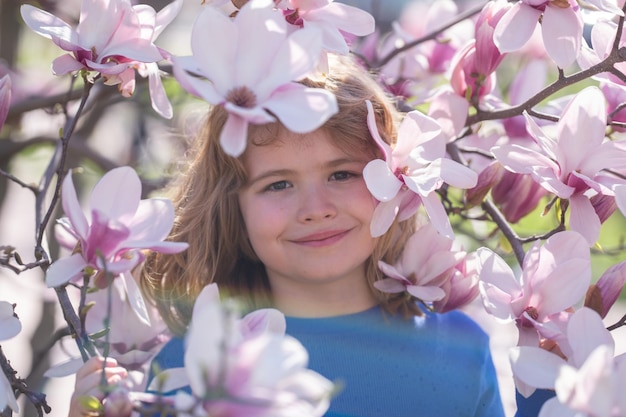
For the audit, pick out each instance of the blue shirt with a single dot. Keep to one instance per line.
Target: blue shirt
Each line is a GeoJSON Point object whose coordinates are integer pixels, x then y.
{"type": "Point", "coordinates": [437, 365]}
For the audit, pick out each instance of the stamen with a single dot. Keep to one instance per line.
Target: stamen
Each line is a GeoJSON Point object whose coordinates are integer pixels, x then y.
{"type": "Point", "coordinates": [242, 97]}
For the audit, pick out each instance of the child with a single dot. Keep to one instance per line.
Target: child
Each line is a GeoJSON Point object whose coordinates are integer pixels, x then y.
{"type": "Point", "coordinates": [286, 225]}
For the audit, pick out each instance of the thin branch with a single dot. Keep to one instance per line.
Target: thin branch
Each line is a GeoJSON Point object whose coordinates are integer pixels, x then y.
{"type": "Point", "coordinates": [431, 36]}
{"type": "Point", "coordinates": [616, 56]}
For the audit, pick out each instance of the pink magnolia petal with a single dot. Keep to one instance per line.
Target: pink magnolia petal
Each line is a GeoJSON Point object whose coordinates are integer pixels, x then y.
{"type": "Point", "coordinates": [380, 181]}
{"type": "Point", "coordinates": [409, 204]}
{"type": "Point", "coordinates": [262, 33]}
{"type": "Point", "coordinates": [121, 265]}
{"type": "Point", "coordinates": [158, 98]}
{"type": "Point", "coordinates": [425, 293]}
{"type": "Point", "coordinates": [549, 146]}
{"type": "Point", "coordinates": [5, 97]}
{"type": "Point", "coordinates": [153, 220]}
{"type": "Point", "coordinates": [584, 219]}
{"type": "Point", "coordinates": [494, 270]}
{"type": "Point", "coordinates": [457, 175]}
{"type": "Point", "coordinates": [216, 59]}
{"type": "Point", "coordinates": [203, 354]}
{"type": "Point", "coordinates": [263, 320]}
{"type": "Point", "coordinates": [302, 109]}
{"type": "Point", "coordinates": [10, 325]}
{"type": "Point", "coordinates": [438, 263]}
{"type": "Point", "coordinates": [187, 72]}
{"type": "Point", "coordinates": [48, 25]}
{"type": "Point", "coordinates": [295, 58]}
{"type": "Point", "coordinates": [620, 197]}
{"type": "Point", "coordinates": [117, 194]}
{"type": "Point", "coordinates": [389, 285]}
{"type": "Point", "coordinates": [128, 286]}
{"type": "Point", "coordinates": [607, 154]}
{"type": "Point", "coordinates": [209, 295]}
{"type": "Point", "coordinates": [450, 111]}
{"type": "Point", "coordinates": [437, 214]}
{"type": "Point", "coordinates": [392, 272]}
{"type": "Point", "coordinates": [66, 64]}
{"type": "Point", "coordinates": [72, 207]}
{"type": "Point", "coordinates": [332, 40]}
{"type": "Point", "coordinates": [581, 127]}
{"type": "Point", "coordinates": [346, 18]}
{"type": "Point", "coordinates": [525, 161]}
{"type": "Point", "coordinates": [586, 332]}
{"type": "Point", "coordinates": [562, 30]}
{"type": "Point", "coordinates": [516, 27]}
{"type": "Point", "coordinates": [166, 15]}
{"type": "Point", "coordinates": [419, 129]}
{"type": "Point", "coordinates": [425, 179]}
{"type": "Point", "coordinates": [535, 366]}
{"type": "Point", "coordinates": [383, 217]}
{"type": "Point", "coordinates": [373, 128]}
{"type": "Point", "coordinates": [234, 136]}
{"type": "Point", "coordinates": [65, 269]}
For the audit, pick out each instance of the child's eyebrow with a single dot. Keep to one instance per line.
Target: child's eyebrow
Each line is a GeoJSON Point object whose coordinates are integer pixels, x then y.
{"type": "Point", "coordinates": [271, 173]}
{"type": "Point", "coordinates": [285, 172]}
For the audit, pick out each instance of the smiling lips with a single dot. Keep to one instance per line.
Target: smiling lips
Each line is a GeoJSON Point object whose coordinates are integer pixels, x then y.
{"type": "Point", "coordinates": [321, 239]}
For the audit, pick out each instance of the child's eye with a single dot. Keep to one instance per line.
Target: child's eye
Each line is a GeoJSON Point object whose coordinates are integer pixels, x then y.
{"type": "Point", "coordinates": [278, 186]}
{"type": "Point", "coordinates": [342, 176]}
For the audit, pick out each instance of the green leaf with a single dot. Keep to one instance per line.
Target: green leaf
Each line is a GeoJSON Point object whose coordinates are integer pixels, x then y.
{"type": "Point", "coordinates": [90, 403]}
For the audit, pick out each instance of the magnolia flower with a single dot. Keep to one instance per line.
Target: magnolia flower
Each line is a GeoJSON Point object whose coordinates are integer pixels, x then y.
{"type": "Point", "coordinates": [426, 265]}
{"type": "Point", "coordinates": [589, 381]}
{"type": "Point", "coordinates": [554, 277]}
{"type": "Point", "coordinates": [411, 173]}
{"type": "Point", "coordinates": [119, 227]}
{"type": "Point", "coordinates": [245, 367]}
{"type": "Point", "coordinates": [132, 340]}
{"type": "Point", "coordinates": [561, 28]}
{"type": "Point", "coordinates": [574, 163]}
{"type": "Point", "coordinates": [113, 37]}
{"type": "Point", "coordinates": [251, 71]}
{"type": "Point", "coordinates": [10, 326]}
{"type": "Point", "coordinates": [331, 19]}
{"type": "Point", "coordinates": [428, 58]}
{"type": "Point", "coordinates": [610, 285]}
{"type": "Point", "coordinates": [462, 287]}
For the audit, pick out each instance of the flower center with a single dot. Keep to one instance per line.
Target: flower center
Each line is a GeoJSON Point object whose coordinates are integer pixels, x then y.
{"type": "Point", "coordinates": [562, 4]}
{"type": "Point", "coordinates": [293, 17]}
{"type": "Point", "coordinates": [242, 97]}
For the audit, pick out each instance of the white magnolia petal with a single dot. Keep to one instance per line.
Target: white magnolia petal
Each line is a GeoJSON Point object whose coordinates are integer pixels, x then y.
{"type": "Point", "coordinates": [65, 269]}
{"type": "Point", "coordinates": [535, 366]}
{"type": "Point", "coordinates": [380, 181]}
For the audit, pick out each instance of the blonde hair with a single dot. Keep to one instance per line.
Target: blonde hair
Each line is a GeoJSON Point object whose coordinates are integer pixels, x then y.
{"type": "Point", "coordinates": [209, 219]}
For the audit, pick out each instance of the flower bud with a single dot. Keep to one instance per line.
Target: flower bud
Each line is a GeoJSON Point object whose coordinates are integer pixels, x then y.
{"type": "Point", "coordinates": [517, 195]}
{"type": "Point", "coordinates": [610, 285]}
{"type": "Point", "coordinates": [489, 177]}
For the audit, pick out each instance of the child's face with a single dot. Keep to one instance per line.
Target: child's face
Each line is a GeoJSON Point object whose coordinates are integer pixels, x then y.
{"type": "Point", "coordinates": [307, 213]}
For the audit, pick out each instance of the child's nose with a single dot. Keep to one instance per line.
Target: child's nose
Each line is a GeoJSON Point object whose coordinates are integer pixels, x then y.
{"type": "Point", "coordinates": [317, 203]}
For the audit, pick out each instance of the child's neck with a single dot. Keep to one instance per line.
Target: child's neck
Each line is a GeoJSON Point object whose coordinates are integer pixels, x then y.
{"type": "Point", "coordinates": [320, 302]}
